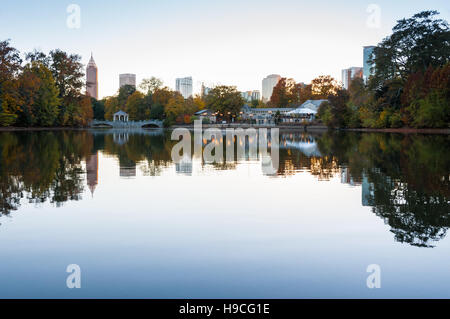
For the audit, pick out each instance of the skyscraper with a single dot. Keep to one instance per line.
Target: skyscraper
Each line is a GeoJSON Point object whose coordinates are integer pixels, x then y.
{"type": "Point", "coordinates": [184, 86]}
{"type": "Point", "coordinates": [127, 79]}
{"type": "Point", "coordinates": [368, 50]}
{"type": "Point", "coordinates": [268, 84]}
{"type": "Point", "coordinates": [349, 74]}
{"type": "Point", "coordinates": [92, 79]}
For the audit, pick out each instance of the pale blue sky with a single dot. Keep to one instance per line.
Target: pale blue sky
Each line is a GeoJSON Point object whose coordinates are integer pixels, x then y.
{"type": "Point", "coordinates": [228, 42]}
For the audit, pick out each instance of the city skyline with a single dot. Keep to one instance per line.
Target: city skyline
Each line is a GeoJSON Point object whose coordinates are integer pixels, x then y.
{"type": "Point", "coordinates": [241, 52]}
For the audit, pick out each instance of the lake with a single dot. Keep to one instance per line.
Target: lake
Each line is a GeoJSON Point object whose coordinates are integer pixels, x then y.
{"type": "Point", "coordinates": [140, 226]}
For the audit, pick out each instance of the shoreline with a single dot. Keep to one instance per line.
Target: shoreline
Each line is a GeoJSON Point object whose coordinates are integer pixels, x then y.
{"type": "Point", "coordinates": [307, 128]}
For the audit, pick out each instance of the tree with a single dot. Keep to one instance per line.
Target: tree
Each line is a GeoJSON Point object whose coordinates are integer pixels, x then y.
{"type": "Point", "coordinates": [162, 96]}
{"type": "Point", "coordinates": [324, 86]}
{"type": "Point", "coordinates": [285, 93]}
{"type": "Point", "coordinates": [225, 100]}
{"type": "Point", "coordinates": [40, 96]}
{"type": "Point", "coordinates": [111, 107]}
{"type": "Point", "coordinates": [69, 75]}
{"type": "Point", "coordinates": [136, 107]}
{"type": "Point", "coordinates": [149, 86]}
{"type": "Point", "coordinates": [98, 108]}
{"type": "Point", "coordinates": [10, 65]}
{"type": "Point", "coordinates": [157, 112]}
{"type": "Point", "coordinates": [416, 44]}
{"type": "Point", "coordinates": [124, 93]}
{"type": "Point", "coordinates": [175, 107]}
{"type": "Point", "coordinates": [335, 112]}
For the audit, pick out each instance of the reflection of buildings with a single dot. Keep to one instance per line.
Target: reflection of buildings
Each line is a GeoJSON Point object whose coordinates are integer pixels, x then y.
{"type": "Point", "coordinates": [185, 166]}
{"type": "Point", "coordinates": [367, 188]}
{"type": "Point", "coordinates": [367, 191]}
{"type": "Point", "coordinates": [121, 137]}
{"type": "Point", "coordinates": [92, 172]}
{"type": "Point", "coordinates": [128, 171]}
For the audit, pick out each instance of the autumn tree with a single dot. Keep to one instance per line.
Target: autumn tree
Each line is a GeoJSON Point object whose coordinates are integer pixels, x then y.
{"type": "Point", "coordinates": [285, 93]}
{"type": "Point", "coordinates": [225, 100]}
{"type": "Point", "coordinates": [136, 107]}
{"type": "Point", "coordinates": [149, 86]}
{"type": "Point", "coordinates": [10, 65]}
{"type": "Point", "coordinates": [111, 107]}
{"type": "Point", "coordinates": [39, 96]}
{"type": "Point", "coordinates": [324, 86]}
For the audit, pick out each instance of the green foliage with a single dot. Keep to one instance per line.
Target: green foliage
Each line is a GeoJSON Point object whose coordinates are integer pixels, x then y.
{"type": "Point", "coordinates": [7, 119]}
{"type": "Point", "coordinates": [157, 112]}
{"type": "Point", "coordinates": [98, 108]}
{"type": "Point", "coordinates": [416, 43]}
{"type": "Point", "coordinates": [225, 100]}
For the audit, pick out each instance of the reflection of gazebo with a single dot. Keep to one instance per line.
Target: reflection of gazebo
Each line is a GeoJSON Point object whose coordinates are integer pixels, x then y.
{"type": "Point", "coordinates": [120, 116]}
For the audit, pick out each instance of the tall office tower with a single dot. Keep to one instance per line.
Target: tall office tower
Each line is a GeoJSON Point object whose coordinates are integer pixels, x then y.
{"type": "Point", "coordinates": [92, 79]}
{"type": "Point", "coordinates": [256, 95]}
{"type": "Point", "coordinates": [184, 86]}
{"type": "Point", "coordinates": [268, 84]}
{"type": "Point", "coordinates": [367, 66]}
{"type": "Point", "coordinates": [349, 74]}
{"type": "Point", "coordinates": [127, 79]}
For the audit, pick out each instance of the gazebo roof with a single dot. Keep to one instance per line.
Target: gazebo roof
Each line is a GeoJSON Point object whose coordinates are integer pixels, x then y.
{"type": "Point", "coordinates": [120, 113]}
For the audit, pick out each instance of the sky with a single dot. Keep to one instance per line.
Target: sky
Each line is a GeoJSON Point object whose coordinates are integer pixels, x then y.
{"type": "Point", "coordinates": [215, 41]}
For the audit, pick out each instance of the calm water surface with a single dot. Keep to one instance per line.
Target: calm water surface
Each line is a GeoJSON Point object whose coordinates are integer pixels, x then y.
{"type": "Point", "coordinates": [140, 226]}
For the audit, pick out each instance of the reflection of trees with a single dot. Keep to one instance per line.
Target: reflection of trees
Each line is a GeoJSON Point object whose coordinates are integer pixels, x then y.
{"type": "Point", "coordinates": [410, 179]}
{"type": "Point", "coordinates": [41, 166]}
{"type": "Point", "coordinates": [155, 149]}
{"type": "Point", "coordinates": [408, 174]}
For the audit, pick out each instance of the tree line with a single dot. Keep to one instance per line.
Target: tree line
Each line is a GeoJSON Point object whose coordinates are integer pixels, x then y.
{"type": "Point", "coordinates": [44, 91]}
{"type": "Point", "coordinates": [410, 85]}
{"type": "Point", "coordinates": [153, 100]}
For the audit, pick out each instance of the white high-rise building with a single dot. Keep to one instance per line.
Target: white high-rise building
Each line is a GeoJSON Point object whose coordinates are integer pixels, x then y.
{"type": "Point", "coordinates": [268, 84]}
{"type": "Point", "coordinates": [127, 79]}
{"type": "Point", "coordinates": [184, 86]}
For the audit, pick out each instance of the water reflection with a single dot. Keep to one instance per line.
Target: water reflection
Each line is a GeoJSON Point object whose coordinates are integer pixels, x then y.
{"type": "Point", "coordinates": [404, 178]}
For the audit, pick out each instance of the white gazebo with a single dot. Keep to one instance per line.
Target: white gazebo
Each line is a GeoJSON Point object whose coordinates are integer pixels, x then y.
{"type": "Point", "coordinates": [120, 116]}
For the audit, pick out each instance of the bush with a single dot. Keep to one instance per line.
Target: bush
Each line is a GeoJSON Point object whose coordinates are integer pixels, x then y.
{"type": "Point", "coordinates": [396, 120]}
{"type": "Point", "coordinates": [7, 119]}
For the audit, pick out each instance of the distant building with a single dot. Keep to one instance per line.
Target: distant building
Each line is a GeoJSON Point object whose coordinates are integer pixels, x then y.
{"type": "Point", "coordinates": [120, 116]}
{"type": "Point", "coordinates": [367, 66]}
{"type": "Point", "coordinates": [349, 74]}
{"type": "Point", "coordinates": [127, 79]}
{"type": "Point", "coordinates": [92, 79]}
{"type": "Point", "coordinates": [256, 95]}
{"type": "Point", "coordinates": [184, 86]}
{"type": "Point", "coordinates": [206, 115]}
{"type": "Point", "coordinates": [204, 90]}
{"type": "Point", "coordinates": [268, 84]}
{"type": "Point", "coordinates": [249, 96]}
